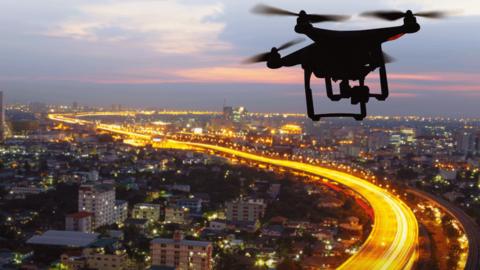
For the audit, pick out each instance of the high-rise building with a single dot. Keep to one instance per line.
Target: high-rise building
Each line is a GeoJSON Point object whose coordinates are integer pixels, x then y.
{"type": "Point", "coordinates": [121, 211]}
{"type": "Point", "coordinates": [181, 254]}
{"type": "Point", "coordinates": [38, 107]}
{"type": "Point", "coordinates": [227, 113]}
{"type": "Point", "coordinates": [75, 106]}
{"type": "Point", "coordinates": [239, 114]}
{"type": "Point", "coordinates": [465, 141]}
{"type": "Point", "coordinates": [99, 200]}
{"type": "Point", "coordinates": [2, 118]}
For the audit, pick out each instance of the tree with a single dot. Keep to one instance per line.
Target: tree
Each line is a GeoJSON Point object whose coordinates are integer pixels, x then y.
{"type": "Point", "coordinates": [289, 264]}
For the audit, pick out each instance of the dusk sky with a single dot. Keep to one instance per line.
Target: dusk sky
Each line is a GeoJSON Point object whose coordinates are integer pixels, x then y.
{"type": "Point", "coordinates": [187, 54]}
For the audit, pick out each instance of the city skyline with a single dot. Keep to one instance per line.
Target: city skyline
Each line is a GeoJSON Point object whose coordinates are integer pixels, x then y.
{"type": "Point", "coordinates": [138, 54]}
{"type": "Point", "coordinates": [140, 189]}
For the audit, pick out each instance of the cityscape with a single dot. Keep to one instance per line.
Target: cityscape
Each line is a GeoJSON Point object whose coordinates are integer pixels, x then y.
{"type": "Point", "coordinates": [239, 135]}
{"type": "Point", "coordinates": [127, 188]}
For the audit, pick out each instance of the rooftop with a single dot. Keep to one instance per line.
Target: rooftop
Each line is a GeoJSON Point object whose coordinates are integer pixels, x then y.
{"type": "Point", "coordinates": [64, 238]}
{"type": "Point", "coordinates": [82, 214]}
{"type": "Point", "coordinates": [181, 242]}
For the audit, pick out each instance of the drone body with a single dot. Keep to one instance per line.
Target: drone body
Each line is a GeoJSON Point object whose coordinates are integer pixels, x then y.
{"type": "Point", "coordinates": [340, 56]}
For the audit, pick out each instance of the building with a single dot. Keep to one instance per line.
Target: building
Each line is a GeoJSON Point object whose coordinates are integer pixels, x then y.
{"type": "Point", "coordinates": [38, 107]}
{"type": "Point", "coordinates": [99, 258]}
{"type": "Point", "coordinates": [175, 214]}
{"type": "Point", "coordinates": [49, 246]}
{"type": "Point", "coordinates": [22, 191]}
{"type": "Point", "coordinates": [466, 141]}
{"type": "Point", "coordinates": [377, 140]}
{"type": "Point", "coordinates": [79, 221]}
{"type": "Point", "coordinates": [227, 113]}
{"type": "Point", "coordinates": [178, 187]}
{"type": "Point", "coordinates": [193, 204]}
{"type": "Point", "coordinates": [121, 211]}
{"type": "Point", "coordinates": [99, 200]}
{"type": "Point", "coordinates": [88, 176]}
{"type": "Point", "coordinates": [2, 118]}
{"type": "Point", "coordinates": [181, 254]}
{"type": "Point", "coordinates": [239, 114]}
{"type": "Point", "coordinates": [217, 225]}
{"type": "Point", "coordinates": [63, 239]}
{"type": "Point", "coordinates": [245, 210]}
{"type": "Point", "coordinates": [148, 211]}
{"type": "Point", "coordinates": [103, 254]}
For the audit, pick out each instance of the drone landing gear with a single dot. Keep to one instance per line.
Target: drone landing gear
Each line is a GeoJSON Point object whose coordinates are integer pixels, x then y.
{"type": "Point", "coordinates": [383, 83]}
{"type": "Point", "coordinates": [359, 97]}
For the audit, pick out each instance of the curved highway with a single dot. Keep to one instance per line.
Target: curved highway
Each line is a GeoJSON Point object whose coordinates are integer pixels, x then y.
{"type": "Point", "coordinates": [392, 243]}
{"type": "Point", "coordinates": [469, 226]}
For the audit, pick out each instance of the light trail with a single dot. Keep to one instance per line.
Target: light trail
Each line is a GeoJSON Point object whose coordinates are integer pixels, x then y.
{"type": "Point", "coordinates": [392, 243]}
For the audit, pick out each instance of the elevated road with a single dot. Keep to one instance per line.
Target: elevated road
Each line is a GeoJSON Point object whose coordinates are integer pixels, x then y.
{"type": "Point", "coordinates": [393, 241]}
{"type": "Point", "coordinates": [469, 226]}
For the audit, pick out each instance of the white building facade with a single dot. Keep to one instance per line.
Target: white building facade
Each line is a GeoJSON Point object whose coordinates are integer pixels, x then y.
{"type": "Point", "coordinates": [99, 200]}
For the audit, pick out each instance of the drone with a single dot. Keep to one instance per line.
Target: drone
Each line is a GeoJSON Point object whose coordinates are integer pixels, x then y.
{"type": "Point", "coordinates": [341, 56]}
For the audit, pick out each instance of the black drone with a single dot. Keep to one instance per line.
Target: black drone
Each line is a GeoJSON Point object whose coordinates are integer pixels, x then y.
{"type": "Point", "coordinates": [341, 56]}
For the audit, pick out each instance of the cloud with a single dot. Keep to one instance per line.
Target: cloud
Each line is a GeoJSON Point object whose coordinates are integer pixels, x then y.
{"type": "Point", "coordinates": [165, 26]}
{"type": "Point", "coordinates": [234, 74]}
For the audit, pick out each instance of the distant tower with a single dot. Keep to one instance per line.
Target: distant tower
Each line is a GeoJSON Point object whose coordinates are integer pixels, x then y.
{"type": "Point", "coordinates": [2, 118]}
{"type": "Point", "coordinates": [227, 113]}
{"type": "Point", "coordinates": [75, 105]}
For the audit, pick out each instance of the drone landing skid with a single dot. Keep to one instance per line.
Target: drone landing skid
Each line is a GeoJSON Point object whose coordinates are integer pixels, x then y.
{"type": "Point", "coordinates": [310, 107]}
{"type": "Point", "coordinates": [357, 94]}
{"type": "Point", "coordinates": [316, 117]}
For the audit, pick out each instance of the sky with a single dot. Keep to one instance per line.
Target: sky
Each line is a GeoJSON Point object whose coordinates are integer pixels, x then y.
{"type": "Point", "coordinates": [187, 54]}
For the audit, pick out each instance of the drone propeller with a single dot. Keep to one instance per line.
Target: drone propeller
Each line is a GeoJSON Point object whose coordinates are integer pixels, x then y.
{"type": "Point", "coordinates": [312, 18]}
{"type": "Point", "coordinates": [395, 15]}
{"type": "Point", "coordinates": [264, 57]}
{"type": "Point", "coordinates": [388, 58]}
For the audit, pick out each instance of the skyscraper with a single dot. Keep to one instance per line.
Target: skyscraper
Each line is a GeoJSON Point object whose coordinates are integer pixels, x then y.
{"type": "Point", "coordinates": [227, 113]}
{"type": "Point", "coordinates": [2, 118]}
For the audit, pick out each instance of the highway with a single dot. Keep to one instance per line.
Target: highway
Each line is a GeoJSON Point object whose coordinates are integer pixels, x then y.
{"type": "Point", "coordinates": [392, 243]}
{"type": "Point", "coordinates": [469, 226]}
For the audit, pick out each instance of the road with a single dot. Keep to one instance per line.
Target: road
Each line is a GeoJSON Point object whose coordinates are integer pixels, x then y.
{"type": "Point", "coordinates": [392, 243]}
{"type": "Point", "coordinates": [469, 226]}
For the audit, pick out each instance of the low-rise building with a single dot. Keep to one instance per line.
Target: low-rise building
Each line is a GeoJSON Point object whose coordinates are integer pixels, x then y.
{"type": "Point", "coordinates": [148, 211]}
{"type": "Point", "coordinates": [79, 221]}
{"type": "Point", "coordinates": [22, 191]}
{"type": "Point", "coordinates": [245, 210]}
{"type": "Point", "coordinates": [217, 225]}
{"type": "Point", "coordinates": [175, 214]}
{"type": "Point", "coordinates": [103, 254]}
{"type": "Point", "coordinates": [63, 238]}
{"type": "Point", "coordinates": [181, 254]}
{"type": "Point", "coordinates": [193, 204]}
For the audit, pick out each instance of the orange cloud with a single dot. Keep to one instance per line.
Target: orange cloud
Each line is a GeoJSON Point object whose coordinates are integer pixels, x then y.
{"type": "Point", "coordinates": [261, 74]}
{"type": "Point", "coordinates": [443, 88]}
{"type": "Point", "coordinates": [240, 75]}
